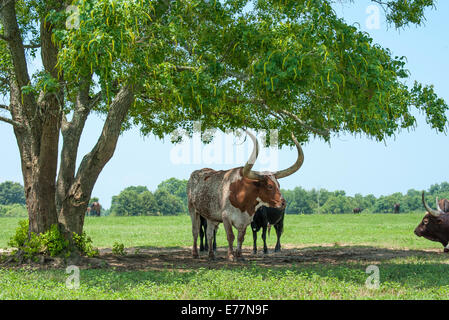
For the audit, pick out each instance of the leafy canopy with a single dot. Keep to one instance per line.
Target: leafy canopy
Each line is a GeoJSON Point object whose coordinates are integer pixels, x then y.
{"type": "Point", "coordinates": [262, 64]}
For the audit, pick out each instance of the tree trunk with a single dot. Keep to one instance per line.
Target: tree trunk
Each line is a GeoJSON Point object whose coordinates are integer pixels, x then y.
{"type": "Point", "coordinates": [74, 192]}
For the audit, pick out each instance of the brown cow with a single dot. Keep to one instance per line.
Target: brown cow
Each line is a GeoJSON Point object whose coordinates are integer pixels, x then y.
{"type": "Point", "coordinates": [95, 209]}
{"type": "Point", "coordinates": [435, 224]}
{"type": "Point", "coordinates": [397, 207]}
{"type": "Point", "coordinates": [232, 197]}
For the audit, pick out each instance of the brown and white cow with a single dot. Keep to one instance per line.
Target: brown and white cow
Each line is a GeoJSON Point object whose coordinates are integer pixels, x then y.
{"type": "Point", "coordinates": [232, 197]}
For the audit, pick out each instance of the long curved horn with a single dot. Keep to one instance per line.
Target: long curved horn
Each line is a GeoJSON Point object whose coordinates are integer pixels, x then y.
{"type": "Point", "coordinates": [247, 172]}
{"type": "Point", "coordinates": [438, 206]}
{"type": "Point", "coordinates": [434, 213]}
{"type": "Point", "coordinates": [295, 167]}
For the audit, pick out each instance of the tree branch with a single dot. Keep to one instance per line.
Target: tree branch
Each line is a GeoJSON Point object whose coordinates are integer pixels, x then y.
{"type": "Point", "coordinates": [12, 122]}
{"type": "Point", "coordinates": [13, 36]}
{"type": "Point", "coordinates": [95, 100]}
{"type": "Point", "coordinates": [322, 132]}
{"type": "Point", "coordinates": [32, 45]}
{"type": "Point", "coordinates": [2, 106]}
{"type": "Point", "coordinates": [94, 162]}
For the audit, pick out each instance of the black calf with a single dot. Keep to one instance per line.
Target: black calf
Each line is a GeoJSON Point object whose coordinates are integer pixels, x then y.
{"type": "Point", "coordinates": [262, 218]}
{"type": "Point", "coordinates": [203, 228]}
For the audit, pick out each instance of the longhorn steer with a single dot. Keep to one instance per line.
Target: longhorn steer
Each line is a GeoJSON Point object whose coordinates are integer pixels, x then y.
{"type": "Point", "coordinates": [265, 218]}
{"type": "Point", "coordinates": [232, 197]}
{"type": "Point", "coordinates": [435, 224]}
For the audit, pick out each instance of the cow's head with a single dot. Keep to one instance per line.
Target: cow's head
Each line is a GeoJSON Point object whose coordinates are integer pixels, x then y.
{"type": "Point", "coordinates": [264, 185]}
{"type": "Point", "coordinates": [434, 225]}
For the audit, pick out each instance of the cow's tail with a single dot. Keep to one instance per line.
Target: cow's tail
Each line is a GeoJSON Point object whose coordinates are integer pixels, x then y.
{"type": "Point", "coordinates": [269, 228]}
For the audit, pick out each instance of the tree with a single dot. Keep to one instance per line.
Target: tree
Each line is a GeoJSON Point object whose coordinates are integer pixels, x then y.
{"type": "Point", "coordinates": [167, 203]}
{"type": "Point", "coordinates": [298, 201]}
{"type": "Point", "coordinates": [164, 64]}
{"type": "Point", "coordinates": [338, 203]}
{"type": "Point", "coordinates": [148, 204]}
{"type": "Point", "coordinates": [177, 188]}
{"type": "Point", "coordinates": [134, 201]}
{"type": "Point", "coordinates": [11, 193]}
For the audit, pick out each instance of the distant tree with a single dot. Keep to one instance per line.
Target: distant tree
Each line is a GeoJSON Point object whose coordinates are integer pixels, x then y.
{"type": "Point", "coordinates": [147, 204]}
{"type": "Point", "coordinates": [167, 203]}
{"type": "Point", "coordinates": [139, 201]}
{"type": "Point", "coordinates": [336, 204]}
{"type": "Point", "coordinates": [385, 204]}
{"type": "Point", "coordinates": [298, 201]}
{"type": "Point", "coordinates": [318, 198]}
{"type": "Point", "coordinates": [127, 202]}
{"type": "Point", "coordinates": [11, 193]}
{"type": "Point", "coordinates": [177, 188]}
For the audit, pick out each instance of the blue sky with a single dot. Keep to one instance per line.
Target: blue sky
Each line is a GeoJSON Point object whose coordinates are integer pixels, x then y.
{"type": "Point", "coordinates": [414, 159]}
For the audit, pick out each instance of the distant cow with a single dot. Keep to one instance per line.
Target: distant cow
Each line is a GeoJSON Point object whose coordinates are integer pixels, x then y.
{"type": "Point", "coordinates": [357, 210]}
{"type": "Point", "coordinates": [232, 197]}
{"type": "Point", "coordinates": [265, 218]}
{"type": "Point", "coordinates": [396, 207]}
{"type": "Point", "coordinates": [203, 228]}
{"type": "Point", "coordinates": [435, 224]}
{"type": "Point", "coordinates": [95, 209]}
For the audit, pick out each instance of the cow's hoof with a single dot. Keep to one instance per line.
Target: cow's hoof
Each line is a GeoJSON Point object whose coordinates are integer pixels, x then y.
{"type": "Point", "coordinates": [254, 251]}
{"type": "Point", "coordinates": [277, 250]}
{"type": "Point", "coordinates": [232, 258]}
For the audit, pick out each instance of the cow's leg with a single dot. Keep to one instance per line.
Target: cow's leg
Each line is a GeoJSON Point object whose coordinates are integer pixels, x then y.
{"type": "Point", "coordinates": [240, 238]}
{"type": "Point", "coordinates": [254, 242]}
{"type": "Point", "coordinates": [278, 227]}
{"type": "Point", "coordinates": [445, 244]}
{"type": "Point", "coordinates": [230, 237]}
{"type": "Point", "coordinates": [206, 243]}
{"type": "Point", "coordinates": [264, 238]}
{"type": "Point", "coordinates": [195, 217]}
{"type": "Point", "coordinates": [215, 238]}
{"type": "Point", "coordinates": [202, 236]}
{"type": "Point", "coordinates": [210, 235]}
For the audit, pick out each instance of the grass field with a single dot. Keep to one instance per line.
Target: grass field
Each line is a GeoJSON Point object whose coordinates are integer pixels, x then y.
{"type": "Point", "coordinates": [323, 257]}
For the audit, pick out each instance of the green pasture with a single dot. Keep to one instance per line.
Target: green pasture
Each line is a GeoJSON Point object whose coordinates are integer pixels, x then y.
{"type": "Point", "coordinates": [419, 271]}
{"type": "Point", "coordinates": [380, 230]}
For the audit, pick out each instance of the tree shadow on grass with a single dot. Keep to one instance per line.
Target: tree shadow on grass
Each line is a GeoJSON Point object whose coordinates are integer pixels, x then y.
{"type": "Point", "coordinates": [412, 268]}
{"type": "Point", "coordinates": [422, 268]}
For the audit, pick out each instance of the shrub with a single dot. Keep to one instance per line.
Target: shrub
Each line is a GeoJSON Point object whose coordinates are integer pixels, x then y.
{"type": "Point", "coordinates": [118, 249]}
{"type": "Point", "coordinates": [84, 244]}
{"type": "Point", "coordinates": [50, 243]}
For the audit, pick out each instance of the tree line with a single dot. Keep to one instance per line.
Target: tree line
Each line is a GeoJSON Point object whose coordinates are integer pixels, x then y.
{"type": "Point", "coordinates": [170, 198]}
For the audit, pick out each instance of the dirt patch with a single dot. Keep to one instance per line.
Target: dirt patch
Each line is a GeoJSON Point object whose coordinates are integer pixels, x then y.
{"type": "Point", "coordinates": [180, 258]}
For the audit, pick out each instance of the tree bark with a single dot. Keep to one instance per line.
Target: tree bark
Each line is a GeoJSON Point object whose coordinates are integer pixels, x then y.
{"type": "Point", "coordinates": [38, 135]}
{"type": "Point", "coordinates": [73, 202]}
